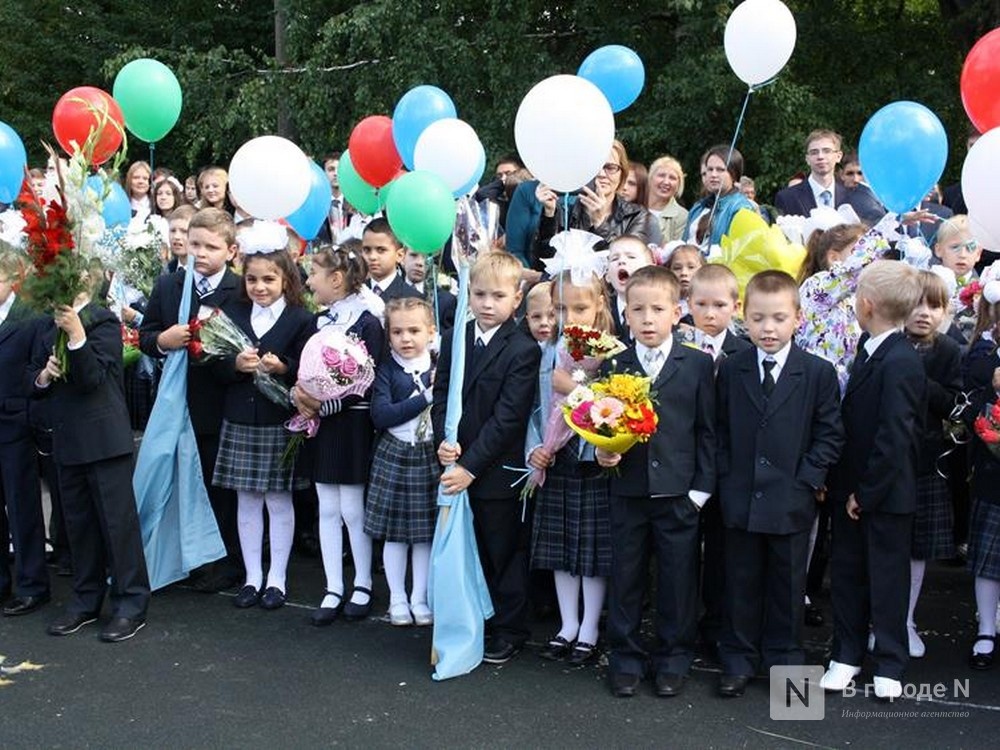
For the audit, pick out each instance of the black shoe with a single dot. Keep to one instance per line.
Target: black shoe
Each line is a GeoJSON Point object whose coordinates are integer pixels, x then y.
{"type": "Point", "coordinates": [4, 595]}
{"type": "Point", "coordinates": [982, 661]}
{"type": "Point", "coordinates": [23, 605]}
{"type": "Point", "coordinates": [814, 616]}
{"type": "Point", "coordinates": [669, 685]}
{"type": "Point", "coordinates": [272, 598]}
{"type": "Point", "coordinates": [732, 685]}
{"type": "Point", "coordinates": [582, 653]}
{"type": "Point", "coordinates": [248, 597]}
{"type": "Point", "coordinates": [121, 629]}
{"type": "Point", "coordinates": [624, 685]}
{"type": "Point", "coordinates": [557, 648]}
{"type": "Point", "coordinates": [213, 583]}
{"type": "Point", "coordinates": [326, 615]}
{"type": "Point", "coordinates": [70, 622]}
{"type": "Point", "coordinates": [354, 611]}
{"type": "Point", "coordinates": [499, 651]}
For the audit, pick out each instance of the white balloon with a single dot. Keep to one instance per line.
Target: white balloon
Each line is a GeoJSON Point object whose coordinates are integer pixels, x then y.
{"type": "Point", "coordinates": [564, 131]}
{"type": "Point", "coordinates": [269, 177]}
{"type": "Point", "coordinates": [450, 149]}
{"type": "Point", "coordinates": [981, 189]}
{"type": "Point", "coordinates": [760, 39]}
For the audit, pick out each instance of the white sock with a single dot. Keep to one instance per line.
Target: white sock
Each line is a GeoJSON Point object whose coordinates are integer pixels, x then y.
{"type": "Point", "coordinates": [394, 559]}
{"type": "Point", "coordinates": [352, 508]}
{"type": "Point", "coordinates": [250, 522]}
{"type": "Point", "coordinates": [987, 596]}
{"type": "Point", "coordinates": [331, 541]}
{"type": "Point", "coordinates": [917, 568]}
{"type": "Point", "coordinates": [593, 603]}
{"type": "Point", "coordinates": [281, 517]}
{"type": "Point", "coordinates": [568, 596]}
{"type": "Point", "coordinates": [421, 565]}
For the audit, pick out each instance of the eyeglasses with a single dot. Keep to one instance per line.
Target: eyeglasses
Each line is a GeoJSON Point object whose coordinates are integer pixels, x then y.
{"type": "Point", "coordinates": [611, 169]}
{"type": "Point", "coordinates": [821, 151]}
{"type": "Point", "coordinates": [969, 248]}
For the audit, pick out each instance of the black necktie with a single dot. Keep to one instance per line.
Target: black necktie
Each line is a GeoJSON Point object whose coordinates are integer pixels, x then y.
{"type": "Point", "coordinates": [859, 360]}
{"type": "Point", "coordinates": [377, 289]}
{"type": "Point", "coordinates": [768, 382]}
{"type": "Point", "coordinates": [478, 351]}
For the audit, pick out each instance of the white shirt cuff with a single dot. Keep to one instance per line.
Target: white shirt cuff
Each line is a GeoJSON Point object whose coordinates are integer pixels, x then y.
{"type": "Point", "coordinates": [73, 347]}
{"type": "Point", "coordinates": [699, 497]}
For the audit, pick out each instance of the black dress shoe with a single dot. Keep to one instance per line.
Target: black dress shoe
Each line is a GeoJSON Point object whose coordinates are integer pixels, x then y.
{"type": "Point", "coordinates": [557, 648]}
{"type": "Point", "coordinates": [669, 685]}
{"type": "Point", "coordinates": [624, 685]}
{"type": "Point", "coordinates": [814, 616]}
{"type": "Point", "coordinates": [582, 653]}
{"type": "Point", "coordinates": [248, 597]}
{"type": "Point", "coordinates": [982, 661]}
{"type": "Point", "coordinates": [499, 651]}
{"type": "Point", "coordinates": [121, 629]}
{"type": "Point", "coordinates": [354, 611]}
{"type": "Point", "coordinates": [272, 598]}
{"type": "Point", "coordinates": [70, 622]}
{"type": "Point", "coordinates": [23, 605]}
{"type": "Point", "coordinates": [732, 685]}
{"type": "Point", "coordinates": [324, 616]}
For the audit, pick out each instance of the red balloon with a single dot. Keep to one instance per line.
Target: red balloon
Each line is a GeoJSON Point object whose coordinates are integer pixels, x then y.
{"type": "Point", "coordinates": [373, 151]}
{"type": "Point", "coordinates": [79, 111]}
{"type": "Point", "coordinates": [980, 82]}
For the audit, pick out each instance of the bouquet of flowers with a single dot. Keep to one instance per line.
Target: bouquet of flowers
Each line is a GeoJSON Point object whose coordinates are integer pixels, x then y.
{"type": "Point", "coordinates": [987, 427]}
{"type": "Point", "coordinates": [613, 413]}
{"type": "Point", "coordinates": [333, 365]}
{"type": "Point", "coordinates": [969, 294]}
{"type": "Point", "coordinates": [140, 259]}
{"type": "Point", "coordinates": [130, 346]}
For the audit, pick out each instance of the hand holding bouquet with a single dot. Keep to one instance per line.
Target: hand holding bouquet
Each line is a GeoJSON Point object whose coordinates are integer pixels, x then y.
{"type": "Point", "coordinates": [987, 427]}
{"type": "Point", "coordinates": [613, 413]}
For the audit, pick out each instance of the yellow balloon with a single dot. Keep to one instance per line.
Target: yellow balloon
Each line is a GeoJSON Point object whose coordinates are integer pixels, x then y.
{"type": "Point", "coordinates": [752, 246]}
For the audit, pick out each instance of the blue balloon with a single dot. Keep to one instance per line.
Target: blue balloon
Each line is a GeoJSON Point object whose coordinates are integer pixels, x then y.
{"type": "Point", "coordinates": [13, 160]}
{"type": "Point", "coordinates": [474, 180]}
{"type": "Point", "coordinates": [903, 151]}
{"type": "Point", "coordinates": [418, 108]}
{"type": "Point", "coordinates": [117, 209]}
{"type": "Point", "coordinates": [309, 217]}
{"type": "Point", "coordinates": [618, 72]}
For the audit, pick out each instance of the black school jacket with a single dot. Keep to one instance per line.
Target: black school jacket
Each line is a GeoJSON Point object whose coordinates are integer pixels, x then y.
{"type": "Point", "coordinates": [19, 335]}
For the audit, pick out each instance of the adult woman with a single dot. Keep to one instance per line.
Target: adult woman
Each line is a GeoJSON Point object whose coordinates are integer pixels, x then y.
{"type": "Point", "coordinates": [633, 189]}
{"type": "Point", "coordinates": [666, 184]}
{"type": "Point", "coordinates": [137, 189]}
{"type": "Point", "coordinates": [598, 209]}
{"type": "Point", "coordinates": [711, 216]}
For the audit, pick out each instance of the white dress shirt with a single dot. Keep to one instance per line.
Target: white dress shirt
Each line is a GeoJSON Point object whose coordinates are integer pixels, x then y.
{"type": "Point", "coordinates": [262, 319]}
{"type": "Point", "coordinates": [779, 357]}
{"type": "Point", "coordinates": [872, 344]}
{"type": "Point", "coordinates": [818, 191]}
{"type": "Point", "coordinates": [5, 307]}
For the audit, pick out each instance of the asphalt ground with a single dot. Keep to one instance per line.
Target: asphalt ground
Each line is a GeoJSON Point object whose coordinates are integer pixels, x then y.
{"type": "Point", "coordinates": [203, 674]}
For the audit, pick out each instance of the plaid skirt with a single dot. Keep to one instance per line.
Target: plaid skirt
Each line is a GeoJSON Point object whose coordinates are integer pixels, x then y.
{"type": "Point", "coordinates": [984, 540]}
{"type": "Point", "coordinates": [250, 459]}
{"type": "Point", "coordinates": [138, 396]}
{"type": "Point", "coordinates": [933, 523]}
{"type": "Point", "coordinates": [402, 491]}
{"type": "Point", "coordinates": [572, 528]}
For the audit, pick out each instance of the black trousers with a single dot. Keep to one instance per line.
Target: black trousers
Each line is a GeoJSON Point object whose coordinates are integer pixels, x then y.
{"type": "Point", "coordinates": [502, 540]}
{"type": "Point", "coordinates": [711, 533]}
{"type": "Point", "coordinates": [104, 537]}
{"type": "Point", "coordinates": [870, 583]}
{"type": "Point", "coordinates": [667, 527]}
{"type": "Point", "coordinates": [223, 505]}
{"type": "Point", "coordinates": [20, 494]}
{"type": "Point", "coordinates": [765, 592]}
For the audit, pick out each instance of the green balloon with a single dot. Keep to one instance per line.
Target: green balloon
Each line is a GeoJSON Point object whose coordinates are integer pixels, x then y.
{"type": "Point", "coordinates": [421, 211]}
{"type": "Point", "coordinates": [150, 98]}
{"type": "Point", "coordinates": [359, 193]}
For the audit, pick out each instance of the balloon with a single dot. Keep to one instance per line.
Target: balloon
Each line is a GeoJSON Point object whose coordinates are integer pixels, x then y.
{"type": "Point", "coordinates": [309, 217]}
{"type": "Point", "coordinates": [617, 71]}
{"type": "Point", "coordinates": [418, 108]}
{"type": "Point", "coordinates": [269, 177]}
{"type": "Point", "coordinates": [451, 149]}
{"type": "Point", "coordinates": [116, 209]}
{"type": "Point", "coordinates": [980, 82]}
{"type": "Point", "coordinates": [759, 40]}
{"type": "Point", "coordinates": [751, 246]}
{"type": "Point", "coordinates": [13, 160]}
{"type": "Point", "coordinates": [421, 211]}
{"type": "Point", "coordinates": [473, 182]}
{"type": "Point", "coordinates": [81, 110]}
{"type": "Point", "coordinates": [150, 98]}
{"type": "Point", "coordinates": [980, 187]}
{"type": "Point", "coordinates": [564, 131]}
{"type": "Point", "coordinates": [358, 193]}
{"type": "Point", "coordinates": [903, 150]}
{"type": "Point", "coordinates": [983, 236]}
{"type": "Point", "coordinates": [373, 151]}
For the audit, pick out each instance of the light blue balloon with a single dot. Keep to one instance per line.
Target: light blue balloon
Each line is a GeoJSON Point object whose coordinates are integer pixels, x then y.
{"type": "Point", "coordinates": [13, 160]}
{"type": "Point", "coordinates": [903, 151]}
{"type": "Point", "coordinates": [308, 218]}
{"type": "Point", "coordinates": [117, 209]}
{"type": "Point", "coordinates": [618, 72]}
{"type": "Point", "coordinates": [474, 180]}
{"type": "Point", "coordinates": [418, 108]}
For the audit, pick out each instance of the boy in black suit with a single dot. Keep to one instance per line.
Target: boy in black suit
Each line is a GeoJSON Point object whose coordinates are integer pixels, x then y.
{"type": "Point", "coordinates": [501, 372]}
{"type": "Point", "coordinates": [779, 432]}
{"type": "Point", "coordinates": [658, 492]}
{"type": "Point", "coordinates": [626, 255]}
{"type": "Point", "coordinates": [384, 253]}
{"type": "Point", "coordinates": [212, 242]}
{"type": "Point", "coordinates": [874, 485]}
{"type": "Point", "coordinates": [92, 446]}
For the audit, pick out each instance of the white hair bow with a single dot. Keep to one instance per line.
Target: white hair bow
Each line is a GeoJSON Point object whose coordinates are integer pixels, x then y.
{"type": "Point", "coordinates": [262, 237]}
{"type": "Point", "coordinates": [575, 253]}
{"type": "Point", "coordinates": [991, 283]}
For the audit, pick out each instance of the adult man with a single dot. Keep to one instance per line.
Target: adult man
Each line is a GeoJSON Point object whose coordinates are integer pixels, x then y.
{"type": "Point", "coordinates": [339, 213]}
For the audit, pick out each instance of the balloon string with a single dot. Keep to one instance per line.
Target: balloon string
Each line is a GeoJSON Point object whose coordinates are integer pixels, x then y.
{"type": "Point", "coordinates": [152, 150]}
{"type": "Point", "coordinates": [432, 263]}
{"type": "Point", "coordinates": [729, 156]}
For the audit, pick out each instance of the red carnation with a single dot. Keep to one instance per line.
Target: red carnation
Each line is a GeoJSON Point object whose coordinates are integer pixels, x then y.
{"type": "Point", "coordinates": [194, 348]}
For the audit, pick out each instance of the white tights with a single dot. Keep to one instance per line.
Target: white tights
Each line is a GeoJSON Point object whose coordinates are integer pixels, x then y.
{"type": "Point", "coordinates": [394, 556]}
{"type": "Point", "coordinates": [987, 596]}
{"type": "Point", "coordinates": [341, 504]}
{"type": "Point", "coordinates": [250, 521]}
{"type": "Point", "coordinates": [568, 595]}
